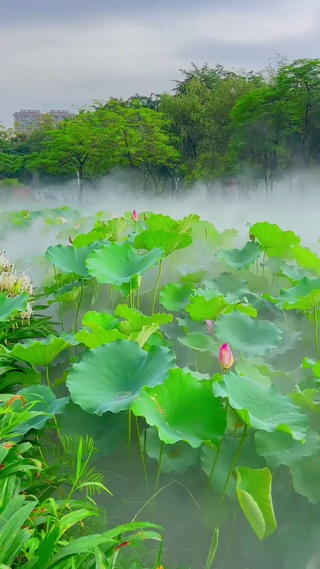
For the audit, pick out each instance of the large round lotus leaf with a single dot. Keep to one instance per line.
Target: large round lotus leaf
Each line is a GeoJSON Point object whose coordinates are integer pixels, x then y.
{"type": "Point", "coordinates": [306, 258]}
{"type": "Point", "coordinates": [273, 239]}
{"type": "Point", "coordinates": [135, 321]}
{"type": "Point", "coordinates": [40, 352]}
{"type": "Point", "coordinates": [262, 407]}
{"type": "Point", "coordinates": [8, 306]}
{"type": "Point", "coordinates": [305, 477]}
{"type": "Point", "coordinates": [279, 448]}
{"type": "Point", "coordinates": [200, 308]}
{"type": "Point", "coordinates": [98, 337]}
{"type": "Point", "coordinates": [93, 319]}
{"type": "Point", "coordinates": [206, 232]}
{"type": "Point", "coordinates": [117, 263]}
{"type": "Point", "coordinates": [250, 337]}
{"type": "Point", "coordinates": [175, 296]}
{"type": "Point", "coordinates": [255, 498]}
{"type": "Point", "coordinates": [109, 432]}
{"type": "Point", "coordinates": [43, 400]}
{"type": "Point", "coordinates": [200, 342]}
{"type": "Point", "coordinates": [182, 409]}
{"type": "Point", "coordinates": [241, 258]}
{"type": "Point", "coordinates": [110, 377]}
{"type": "Point", "coordinates": [157, 221]}
{"type": "Point", "coordinates": [168, 241]}
{"type": "Point", "coordinates": [304, 296]}
{"type": "Point", "coordinates": [231, 283]}
{"type": "Point", "coordinates": [175, 458]}
{"type": "Point", "coordinates": [69, 259]}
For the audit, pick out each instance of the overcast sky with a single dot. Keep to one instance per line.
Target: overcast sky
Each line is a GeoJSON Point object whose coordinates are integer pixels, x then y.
{"type": "Point", "coordinates": [65, 53]}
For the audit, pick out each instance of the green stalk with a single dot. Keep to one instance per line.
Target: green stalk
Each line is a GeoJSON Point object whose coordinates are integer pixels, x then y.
{"type": "Point", "coordinates": [213, 548]}
{"type": "Point", "coordinates": [234, 462]}
{"type": "Point", "coordinates": [54, 417]}
{"type": "Point", "coordinates": [205, 241]}
{"type": "Point", "coordinates": [129, 428]}
{"type": "Point", "coordinates": [218, 449]}
{"type": "Point", "coordinates": [173, 264]}
{"type": "Point", "coordinates": [142, 455]}
{"type": "Point", "coordinates": [79, 304]}
{"type": "Point", "coordinates": [157, 287]}
{"type": "Point", "coordinates": [59, 298]}
{"type": "Point", "coordinates": [316, 338]}
{"type": "Point", "coordinates": [138, 296]}
{"type": "Point", "coordinates": [159, 465]}
{"type": "Point", "coordinates": [47, 377]}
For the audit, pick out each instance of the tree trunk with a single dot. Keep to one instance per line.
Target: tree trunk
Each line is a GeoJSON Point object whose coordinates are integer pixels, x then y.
{"type": "Point", "coordinates": [80, 185]}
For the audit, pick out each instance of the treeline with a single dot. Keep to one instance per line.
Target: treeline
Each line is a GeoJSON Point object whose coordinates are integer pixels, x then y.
{"type": "Point", "coordinates": [217, 125]}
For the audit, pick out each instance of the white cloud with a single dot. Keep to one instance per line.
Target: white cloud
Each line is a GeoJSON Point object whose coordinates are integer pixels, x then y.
{"type": "Point", "coordinates": [57, 65]}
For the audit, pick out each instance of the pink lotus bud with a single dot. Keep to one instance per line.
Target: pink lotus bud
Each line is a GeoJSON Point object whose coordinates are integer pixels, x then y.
{"type": "Point", "coordinates": [225, 356]}
{"type": "Point", "coordinates": [135, 215]}
{"type": "Point", "coordinates": [210, 324]}
{"type": "Point", "coordinates": [78, 226]}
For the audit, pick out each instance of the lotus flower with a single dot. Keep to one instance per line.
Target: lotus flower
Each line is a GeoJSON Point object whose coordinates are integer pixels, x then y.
{"type": "Point", "coordinates": [210, 325]}
{"type": "Point", "coordinates": [225, 356]}
{"type": "Point", "coordinates": [135, 215]}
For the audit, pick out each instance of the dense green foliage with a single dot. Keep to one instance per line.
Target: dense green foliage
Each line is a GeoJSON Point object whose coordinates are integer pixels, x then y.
{"type": "Point", "coordinates": [217, 125]}
{"type": "Point", "coordinates": [131, 359]}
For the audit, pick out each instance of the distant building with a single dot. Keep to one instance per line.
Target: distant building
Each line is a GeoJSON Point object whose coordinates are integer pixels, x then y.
{"type": "Point", "coordinates": [27, 120]}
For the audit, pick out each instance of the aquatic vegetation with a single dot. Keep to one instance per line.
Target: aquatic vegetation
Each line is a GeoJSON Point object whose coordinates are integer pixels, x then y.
{"type": "Point", "coordinates": [196, 359]}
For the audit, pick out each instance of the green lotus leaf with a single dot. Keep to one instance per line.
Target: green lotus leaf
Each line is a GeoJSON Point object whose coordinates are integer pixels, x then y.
{"type": "Point", "coordinates": [175, 458]}
{"type": "Point", "coordinates": [85, 239]}
{"type": "Point", "coordinates": [306, 258]}
{"type": "Point", "coordinates": [305, 477]}
{"type": "Point", "coordinates": [93, 319]}
{"type": "Point", "coordinates": [156, 221]}
{"type": "Point", "coordinates": [250, 337]}
{"type": "Point", "coordinates": [117, 263]}
{"type": "Point", "coordinates": [200, 308]}
{"type": "Point", "coordinates": [275, 241]}
{"type": "Point", "coordinates": [168, 241]}
{"type": "Point", "coordinates": [69, 259]}
{"type": "Point", "coordinates": [241, 258]}
{"type": "Point", "coordinates": [262, 407]}
{"type": "Point", "coordinates": [8, 306]}
{"type": "Point", "coordinates": [98, 336]}
{"type": "Point", "coordinates": [182, 409]}
{"type": "Point", "coordinates": [136, 320]}
{"type": "Point", "coordinates": [109, 432]}
{"type": "Point", "coordinates": [232, 284]}
{"type": "Point", "coordinates": [39, 352]}
{"type": "Point", "coordinates": [175, 296]}
{"type": "Point", "coordinates": [43, 400]}
{"type": "Point", "coordinates": [206, 231]}
{"type": "Point", "coordinates": [110, 377]}
{"type": "Point", "coordinates": [279, 448]}
{"type": "Point", "coordinates": [185, 224]}
{"type": "Point", "coordinates": [304, 296]}
{"type": "Point", "coordinates": [200, 342]}
{"type": "Point", "coordinates": [191, 277]}
{"type": "Point", "coordinates": [255, 499]}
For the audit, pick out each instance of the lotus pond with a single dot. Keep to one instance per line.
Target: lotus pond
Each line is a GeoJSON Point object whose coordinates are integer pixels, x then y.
{"type": "Point", "coordinates": [119, 336]}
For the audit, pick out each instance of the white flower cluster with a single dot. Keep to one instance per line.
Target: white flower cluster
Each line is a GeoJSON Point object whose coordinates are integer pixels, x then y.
{"type": "Point", "coordinates": [12, 284]}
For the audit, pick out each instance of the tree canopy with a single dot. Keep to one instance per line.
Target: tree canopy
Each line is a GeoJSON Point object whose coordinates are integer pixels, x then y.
{"type": "Point", "coordinates": [215, 125]}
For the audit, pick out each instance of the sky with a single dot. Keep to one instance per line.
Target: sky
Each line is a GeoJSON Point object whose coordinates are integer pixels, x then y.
{"type": "Point", "coordinates": [67, 53]}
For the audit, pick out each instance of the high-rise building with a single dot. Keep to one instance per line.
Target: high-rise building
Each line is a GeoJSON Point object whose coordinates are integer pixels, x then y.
{"type": "Point", "coordinates": [27, 120]}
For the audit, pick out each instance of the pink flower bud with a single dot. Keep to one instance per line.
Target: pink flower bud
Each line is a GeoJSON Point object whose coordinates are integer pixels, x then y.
{"type": "Point", "coordinates": [210, 325]}
{"type": "Point", "coordinates": [225, 356]}
{"type": "Point", "coordinates": [135, 215]}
